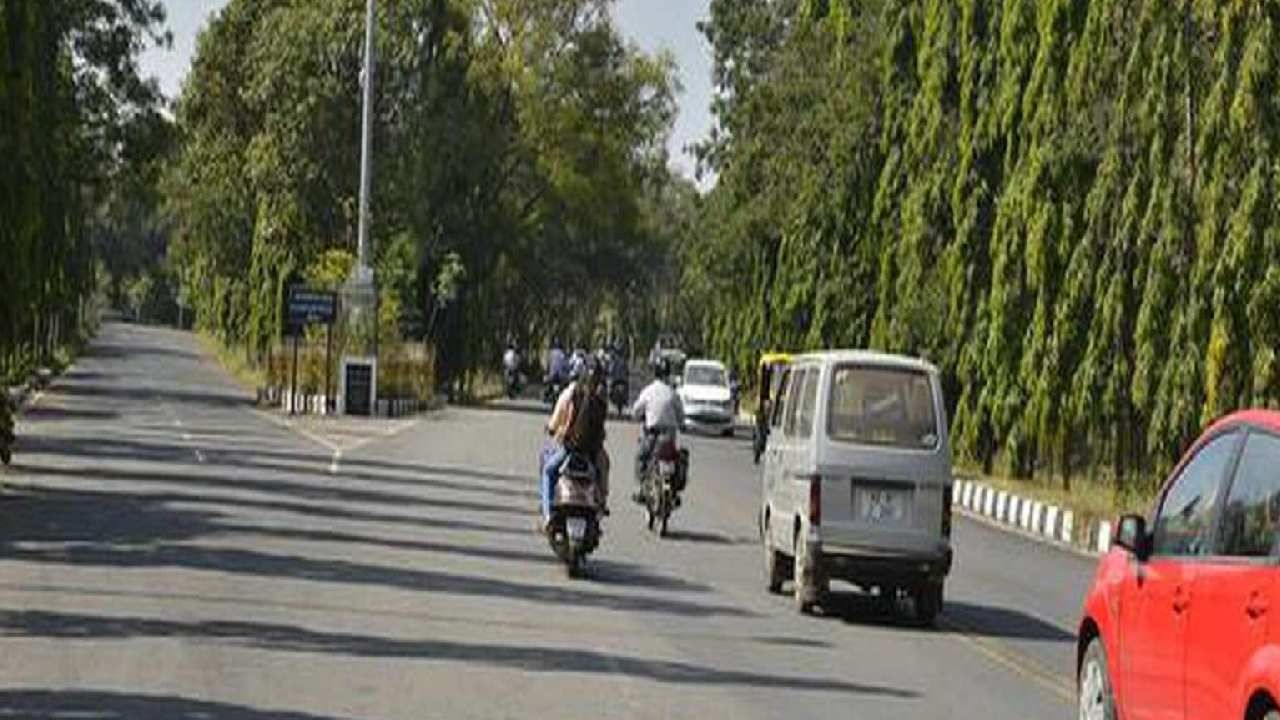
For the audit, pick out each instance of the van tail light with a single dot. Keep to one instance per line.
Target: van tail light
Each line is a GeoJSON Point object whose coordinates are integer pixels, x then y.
{"type": "Point", "coordinates": [946, 512]}
{"type": "Point", "coordinates": [815, 500]}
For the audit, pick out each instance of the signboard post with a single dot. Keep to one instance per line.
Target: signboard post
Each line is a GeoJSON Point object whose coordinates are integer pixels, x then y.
{"type": "Point", "coordinates": [308, 306]}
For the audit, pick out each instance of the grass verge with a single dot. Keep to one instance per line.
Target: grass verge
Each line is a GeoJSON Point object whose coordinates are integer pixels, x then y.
{"type": "Point", "coordinates": [234, 363]}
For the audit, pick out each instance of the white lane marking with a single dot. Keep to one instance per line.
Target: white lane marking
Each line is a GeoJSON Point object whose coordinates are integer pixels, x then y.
{"type": "Point", "coordinates": [177, 422]}
{"type": "Point", "coordinates": [333, 466]}
{"type": "Point", "coordinates": [319, 440]}
{"type": "Point", "coordinates": [186, 437]}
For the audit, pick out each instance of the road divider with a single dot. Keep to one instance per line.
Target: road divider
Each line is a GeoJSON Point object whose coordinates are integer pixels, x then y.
{"type": "Point", "coordinates": [1043, 521]}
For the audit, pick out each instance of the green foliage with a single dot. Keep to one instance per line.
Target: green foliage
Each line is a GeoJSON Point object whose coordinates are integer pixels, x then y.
{"type": "Point", "coordinates": [1068, 205]}
{"type": "Point", "coordinates": [515, 143]}
{"type": "Point", "coordinates": [80, 135]}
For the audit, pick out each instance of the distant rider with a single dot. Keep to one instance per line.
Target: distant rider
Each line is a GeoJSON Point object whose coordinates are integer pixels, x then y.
{"type": "Point", "coordinates": [578, 362]}
{"type": "Point", "coordinates": [557, 362]}
{"type": "Point", "coordinates": [577, 426]}
{"type": "Point", "coordinates": [511, 359]}
{"type": "Point", "coordinates": [663, 414]}
{"type": "Point", "coordinates": [618, 371]}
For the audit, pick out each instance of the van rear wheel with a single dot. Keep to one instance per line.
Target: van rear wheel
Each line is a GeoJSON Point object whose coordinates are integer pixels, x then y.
{"type": "Point", "coordinates": [928, 602]}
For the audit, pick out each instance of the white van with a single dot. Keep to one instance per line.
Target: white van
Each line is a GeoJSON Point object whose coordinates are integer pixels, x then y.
{"type": "Point", "coordinates": [857, 479]}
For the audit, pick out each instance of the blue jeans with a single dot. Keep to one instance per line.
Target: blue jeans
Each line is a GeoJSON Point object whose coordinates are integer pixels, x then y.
{"type": "Point", "coordinates": [552, 457]}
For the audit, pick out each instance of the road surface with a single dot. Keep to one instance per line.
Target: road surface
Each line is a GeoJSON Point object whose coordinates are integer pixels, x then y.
{"type": "Point", "coordinates": [168, 551]}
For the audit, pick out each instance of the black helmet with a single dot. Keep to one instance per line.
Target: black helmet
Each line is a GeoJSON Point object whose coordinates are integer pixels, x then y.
{"type": "Point", "coordinates": [596, 375]}
{"type": "Point", "coordinates": [662, 370]}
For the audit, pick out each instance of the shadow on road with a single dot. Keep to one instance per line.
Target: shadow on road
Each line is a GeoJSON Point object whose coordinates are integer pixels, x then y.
{"type": "Point", "coordinates": [143, 394]}
{"type": "Point", "coordinates": [694, 536]}
{"type": "Point", "coordinates": [332, 493]}
{"type": "Point", "coordinates": [48, 413]}
{"type": "Point", "coordinates": [350, 573]}
{"type": "Point", "coordinates": [1001, 622]}
{"type": "Point", "coordinates": [526, 658]}
{"type": "Point", "coordinates": [983, 620]}
{"type": "Point", "coordinates": [127, 351]}
{"type": "Point", "coordinates": [56, 528]}
{"type": "Point", "coordinates": [105, 705]}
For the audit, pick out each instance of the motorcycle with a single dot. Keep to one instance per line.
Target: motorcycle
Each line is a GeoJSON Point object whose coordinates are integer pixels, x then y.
{"type": "Point", "coordinates": [620, 395]}
{"type": "Point", "coordinates": [6, 430]}
{"type": "Point", "coordinates": [513, 382]}
{"type": "Point", "coordinates": [574, 531]}
{"type": "Point", "coordinates": [551, 388]}
{"type": "Point", "coordinates": [665, 478]}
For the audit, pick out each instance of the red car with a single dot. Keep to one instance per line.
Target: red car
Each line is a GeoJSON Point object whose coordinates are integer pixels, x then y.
{"type": "Point", "coordinates": [1178, 623]}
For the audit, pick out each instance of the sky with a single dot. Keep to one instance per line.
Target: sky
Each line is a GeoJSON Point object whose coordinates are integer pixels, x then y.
{"type": "Point", "coordinates": [652, 24]}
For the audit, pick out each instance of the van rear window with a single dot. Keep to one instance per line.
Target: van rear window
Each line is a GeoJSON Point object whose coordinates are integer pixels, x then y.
{"type": "Point", "coordinates": [882, 406]}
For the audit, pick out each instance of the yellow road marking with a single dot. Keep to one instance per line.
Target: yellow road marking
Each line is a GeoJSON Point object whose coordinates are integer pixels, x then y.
{"type": "Point", "coordinates": [1016, 663]}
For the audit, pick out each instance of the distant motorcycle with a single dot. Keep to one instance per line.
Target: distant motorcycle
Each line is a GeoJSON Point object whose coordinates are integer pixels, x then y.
{"type": "Point", "coordinates": [7, 438]}
{"type": "Point", "coordinates": [665, 478]}
{"type": "Point", "coordinates": [620, 395]}
{"type": "Point", "coordinates": [513, 382]}
{"type": "Point", "coordinates": [574, 531]}
{"type": "Point", "coordinates": [551, 388]}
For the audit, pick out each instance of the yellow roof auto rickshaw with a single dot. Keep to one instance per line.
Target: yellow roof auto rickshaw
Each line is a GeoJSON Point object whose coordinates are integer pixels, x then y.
{"type": "Point", "coordinates": [768, 377]}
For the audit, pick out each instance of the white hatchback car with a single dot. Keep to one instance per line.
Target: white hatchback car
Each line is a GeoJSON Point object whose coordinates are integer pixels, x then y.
{"type": "Point", "coordinates": [706, 396]}
{"type": "Point", "coordinates": [857, 479]}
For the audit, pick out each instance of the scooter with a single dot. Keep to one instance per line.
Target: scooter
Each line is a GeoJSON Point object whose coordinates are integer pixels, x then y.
{"type": "Point", "coordinates": [574, 530]}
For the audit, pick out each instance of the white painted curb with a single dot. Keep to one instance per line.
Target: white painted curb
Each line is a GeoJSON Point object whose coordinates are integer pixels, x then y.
{"type": "Point", "coordinates": [1049, 523]}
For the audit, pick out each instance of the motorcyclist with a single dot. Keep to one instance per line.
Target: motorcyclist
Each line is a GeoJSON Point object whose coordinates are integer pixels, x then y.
{"type": "Point", "coordinates": [618, 371]}
{"type": "Point", "coordinates": [663, 414]}
{"type": "Point", "coordinates": [557, 362]}
{"type": "Point", "coordinates": [511, 358]}
{"type": "Point", "coordinates": [578, 362]}
{"type": "Point", "coordinates": [6, 428]}
{"type": "Point", "coordinates": [577, 425]}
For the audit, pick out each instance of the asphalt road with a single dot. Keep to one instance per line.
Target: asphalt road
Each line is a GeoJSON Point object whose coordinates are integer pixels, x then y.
{"type": "Point", "coordinates": [167, 551]}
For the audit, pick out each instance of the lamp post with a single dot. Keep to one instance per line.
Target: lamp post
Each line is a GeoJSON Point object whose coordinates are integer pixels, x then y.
{"type": "Point", "coordinates": [359, 293]}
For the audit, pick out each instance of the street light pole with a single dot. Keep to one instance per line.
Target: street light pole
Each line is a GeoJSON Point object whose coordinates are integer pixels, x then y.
{"type": "Point", "coordinates": [366, 145]}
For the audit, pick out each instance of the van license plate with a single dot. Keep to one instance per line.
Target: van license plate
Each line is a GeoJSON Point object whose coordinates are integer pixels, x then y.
{"type": "Point", "coordinates": [877, 505]}
{"type": "Point", "coordinates": [576, 527]}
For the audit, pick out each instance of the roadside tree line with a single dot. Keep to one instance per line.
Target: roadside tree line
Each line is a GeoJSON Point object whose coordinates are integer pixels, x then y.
{"type": "Point", "coordinates": [1069, 205]}
{"type": "Point", "coordinates": [80, 134]}
{"type": "Point", "coordinates": [519, 167]}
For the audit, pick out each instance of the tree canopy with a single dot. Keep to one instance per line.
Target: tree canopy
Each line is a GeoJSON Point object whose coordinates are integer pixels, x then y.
{"type": "Point", "coordinates": [517, 146]}
{"type": "Point", "coordinates": [1068, 205]}
{"type": "Point", "coordinates": [79, 130]}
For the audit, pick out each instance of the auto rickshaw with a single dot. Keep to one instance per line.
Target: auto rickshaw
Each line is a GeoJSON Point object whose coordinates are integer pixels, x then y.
{"type": "Point", "coordinates": [768, 377]}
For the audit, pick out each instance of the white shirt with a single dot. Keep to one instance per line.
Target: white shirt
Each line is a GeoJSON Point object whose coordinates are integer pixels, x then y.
{"type": "Point", "coordinates": [577, 363]}
{"type": "Point", "coordinates": [556, 363]}
{"type": "Point", "coordinates": [511, 360]}
{"type": "Point", "coordinates": [660, 407]}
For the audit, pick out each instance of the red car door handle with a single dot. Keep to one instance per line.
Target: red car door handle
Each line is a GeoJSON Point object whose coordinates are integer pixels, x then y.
{"type": "Point", "coordinates": [1257, 606]}
{"type": "Point", "coordinates": [1181, 599]}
